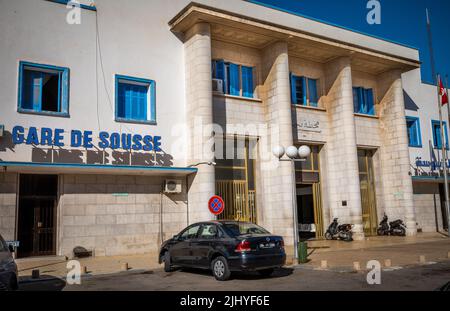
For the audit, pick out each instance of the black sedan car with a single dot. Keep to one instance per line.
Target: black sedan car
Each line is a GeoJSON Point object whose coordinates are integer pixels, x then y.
{"type": "Point", "coordinates": [8, 268]}
{"type": "Point", "coordinates": [224, 247]}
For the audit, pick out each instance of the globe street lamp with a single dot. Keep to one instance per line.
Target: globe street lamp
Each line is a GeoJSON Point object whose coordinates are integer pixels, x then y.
{"type": "Point", "coordinates": [294, 154]}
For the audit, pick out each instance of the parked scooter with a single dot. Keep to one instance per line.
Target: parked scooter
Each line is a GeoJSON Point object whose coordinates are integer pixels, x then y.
{"type": "Point", "coordinates": [384, 229]}
{"type": "Point", "coordinates": [396, 228]}
{"type": "Point", "coordinates": [339, 232]}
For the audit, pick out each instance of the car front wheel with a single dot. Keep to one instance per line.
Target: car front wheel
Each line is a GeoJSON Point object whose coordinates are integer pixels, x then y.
{"type": "Point", "coordinates": [167, 262]}
{"type": "Point", "coordinates": [220, 269]}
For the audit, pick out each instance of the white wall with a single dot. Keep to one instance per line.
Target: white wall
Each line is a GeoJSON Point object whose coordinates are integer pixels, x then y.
{"type": "Point", "coordinates": [135, 41]}
{"type": "Point", "coordinates": [426, 98]}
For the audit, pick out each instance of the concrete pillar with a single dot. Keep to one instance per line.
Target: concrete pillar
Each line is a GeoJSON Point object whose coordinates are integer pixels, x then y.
{"type": "Point", "coordinates": [277, 178]}
{"type": "Point", "coordinates": [394, 152]}
{"type": "Point", "coordinates": [343, 172]}
{"type": "Point", "coordinates": [199, 119]}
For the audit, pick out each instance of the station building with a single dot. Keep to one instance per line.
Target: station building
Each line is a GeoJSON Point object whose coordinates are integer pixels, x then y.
{"type": "Point", "coordinates": [111, 126]}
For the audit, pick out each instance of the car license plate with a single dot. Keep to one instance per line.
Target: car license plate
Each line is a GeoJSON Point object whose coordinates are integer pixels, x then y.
{"type": "Point", "coordinates": [267, 245]}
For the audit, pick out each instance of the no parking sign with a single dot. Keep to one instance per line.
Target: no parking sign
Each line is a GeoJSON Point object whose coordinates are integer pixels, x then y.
{"type": "Point", "coordinates": [216, 205]}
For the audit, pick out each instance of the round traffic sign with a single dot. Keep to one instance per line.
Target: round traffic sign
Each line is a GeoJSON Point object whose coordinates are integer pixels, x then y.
{"type": "Point", "coordinates": [216, 205]}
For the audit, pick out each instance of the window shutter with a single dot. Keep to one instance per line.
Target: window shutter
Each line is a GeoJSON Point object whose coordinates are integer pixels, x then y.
{"type": "Point", "coordinates": [313, 98]}
{"type": "Point", "coordinates": [28, 93]}
{"type": "Point", "coordinates": [128, 109]}
{"type": "Point", "coordinates": [370, 102]}
{"type": "Point", "coordinates": [413, 134]}
{"type": "Point", "coordinates": [64, 89]}
{"type": "Point", "coordinates": [304, 91]}
{"type": "Point", "coordinates": [360, 100]}
{"type": "Point", "coordinates": [234, 80]}
{"type": "Point", "coordinates": [293, 89]}
{"type": "Point", "coordinates": [247, 81]}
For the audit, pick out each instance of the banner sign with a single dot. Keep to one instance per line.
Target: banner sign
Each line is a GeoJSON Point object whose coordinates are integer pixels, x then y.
{"type": "Point", "coordinates": [84, 139]}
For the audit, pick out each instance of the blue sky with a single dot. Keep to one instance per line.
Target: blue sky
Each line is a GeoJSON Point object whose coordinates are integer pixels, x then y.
{"type": "Point", "coordinates": [403, 21]}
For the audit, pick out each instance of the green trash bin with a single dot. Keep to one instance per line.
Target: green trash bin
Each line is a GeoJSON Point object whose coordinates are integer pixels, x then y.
{"type": "Point", "coordinates": [302, 252]}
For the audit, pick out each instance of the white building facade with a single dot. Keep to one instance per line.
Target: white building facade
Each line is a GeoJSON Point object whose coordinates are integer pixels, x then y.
{"type": "Point", "coordinates": [424, 132]}
{"type": "Point", "coordinates": [99, 116]}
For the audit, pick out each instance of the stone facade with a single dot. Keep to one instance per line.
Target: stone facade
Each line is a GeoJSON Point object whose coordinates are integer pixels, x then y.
{"type": "Point", "coordinates": [8, 198]}
{"type": "Point", "coordinates": [394, 152]}
{"type": "Point", "coordinates": [113, 215]}
{"type": "Point", "coordinates": [199, 109]}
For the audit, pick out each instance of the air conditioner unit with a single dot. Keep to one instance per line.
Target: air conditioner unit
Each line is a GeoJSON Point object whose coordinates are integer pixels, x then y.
{"type": "Point", "coordinates": [173, 186]}
{"type": "Point", "coordinates": [217, 86]}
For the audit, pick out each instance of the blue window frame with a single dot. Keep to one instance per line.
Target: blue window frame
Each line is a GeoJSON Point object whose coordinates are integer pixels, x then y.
{"type": "Point", "coordinates": [414, 134]}
{"type": "Point", "coordinates": [135, 100]}
{"type": "Point", "coordinates": [304, 91]}
{"type": "Point", "coordinates": [436, 129]}
{"type": "Point", "coordinates": [237, 79]}
{"type": "Point", "coordinates": [43, 89]}
{"type": "Point", "coordinates": [363, 101]}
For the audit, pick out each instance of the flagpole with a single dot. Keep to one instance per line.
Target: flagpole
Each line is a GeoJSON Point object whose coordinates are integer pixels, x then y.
{"type": "Point", "coordinates": [443, 145]}
{"type": "Point", "coordinates": [448, 109]}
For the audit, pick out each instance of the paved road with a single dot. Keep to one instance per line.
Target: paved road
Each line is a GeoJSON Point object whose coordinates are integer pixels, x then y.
{"type": "Point", "coordinates": [429, 277]}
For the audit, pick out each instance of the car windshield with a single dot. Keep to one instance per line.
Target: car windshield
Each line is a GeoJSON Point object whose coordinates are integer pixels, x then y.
{"type": "Point", "coordinates": [242, 228]}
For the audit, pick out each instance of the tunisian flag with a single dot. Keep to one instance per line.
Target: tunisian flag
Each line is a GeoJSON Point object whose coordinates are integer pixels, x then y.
{"type": "Point", "coordinates": [443, 94]}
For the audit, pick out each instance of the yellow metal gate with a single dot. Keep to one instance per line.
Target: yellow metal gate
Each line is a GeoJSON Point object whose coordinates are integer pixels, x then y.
{"type": "Point", "coordinates": [240, 204]}
{"type": "Point", "coordinates": [367, 186]}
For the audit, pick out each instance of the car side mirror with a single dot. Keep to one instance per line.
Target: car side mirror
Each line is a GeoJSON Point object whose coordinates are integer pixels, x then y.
{"type": "Point", "coordinates": [175, 237]}
{"type": "Point", "coordinates": [11, 248]}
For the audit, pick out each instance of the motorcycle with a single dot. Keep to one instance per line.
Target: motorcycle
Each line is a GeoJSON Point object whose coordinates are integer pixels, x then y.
{"type": "Point", "coordinates": [339, 232]}
{"type": "Point", "coordinates": [396, 228]}
{"type": "Point", "coordinates": [384, 229]}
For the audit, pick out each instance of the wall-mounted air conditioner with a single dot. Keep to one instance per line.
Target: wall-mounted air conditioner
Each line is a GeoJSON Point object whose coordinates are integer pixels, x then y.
{"type": "Point", "coordinates": [217, 86]}
{"type": "Point", "coordinates": [173, 186]}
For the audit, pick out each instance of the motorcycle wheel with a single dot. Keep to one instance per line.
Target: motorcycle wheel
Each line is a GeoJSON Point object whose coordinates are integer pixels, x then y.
{"type": "Point", "coordinates": [380, 232]}
{"type": "Point", "coordinates": [402, 232]}
{"type": "Point", "coordinates": [328, 236]}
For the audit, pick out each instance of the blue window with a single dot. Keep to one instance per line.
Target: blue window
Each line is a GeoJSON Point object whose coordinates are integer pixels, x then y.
{"type": "Point", "coordinates": [363, 101]}
{"type": "Point", "coordinates": [43, 89]}
{"type": "Point", "coordinates": [135, 100]}
{"type": "Point", "coordinates": [237, 79]}
{"type": "Point", "coordinates": [304, 91]}
{"type": "Point", "coordinates": [437, 136]}
{"type": "Point", "coordinates": [414, 135]}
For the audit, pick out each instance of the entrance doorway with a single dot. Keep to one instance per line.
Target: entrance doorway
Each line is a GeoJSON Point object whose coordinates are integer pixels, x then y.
{"type": "Point", "coordinates": [235, 178]}
{"type": "Point", "coordinates": [368, 197]}
{"type": "Point", "coordinates": [37, 215]}
{"type": "Point", "coordinates": [309, 198]}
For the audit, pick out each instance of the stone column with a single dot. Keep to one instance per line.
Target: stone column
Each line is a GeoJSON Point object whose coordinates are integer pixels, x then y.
{"type": "Point", "coordinates": [343, 171]}
{"type": "Point", "coordinates": [277, 176]}
{"type": "Point", "coordinates": [199, 109]}
{"type": "Point", "coordinates": [394, 152]}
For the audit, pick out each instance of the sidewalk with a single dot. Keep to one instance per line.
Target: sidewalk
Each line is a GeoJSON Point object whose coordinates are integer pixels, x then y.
{"type": "Point", "coordinates": [57, 266]}
{"type": "Point", "coordinates": [402, 251]}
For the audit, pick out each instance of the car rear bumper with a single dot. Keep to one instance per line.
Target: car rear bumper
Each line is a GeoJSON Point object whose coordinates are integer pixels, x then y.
{"type": "Point", "coordinates": [253, 262]}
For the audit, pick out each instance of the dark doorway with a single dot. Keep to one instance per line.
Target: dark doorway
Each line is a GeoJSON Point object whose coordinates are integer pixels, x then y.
{"type": "Point", "coordinates": [37, 215]}
{"type": "Point", "coordinates": [443, 208]}
{"type": "Point", "coordinates": [305, 212]}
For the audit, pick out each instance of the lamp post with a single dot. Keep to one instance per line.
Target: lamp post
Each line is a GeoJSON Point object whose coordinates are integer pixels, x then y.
{"type": "Point", "coordinates": [294, 155]}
